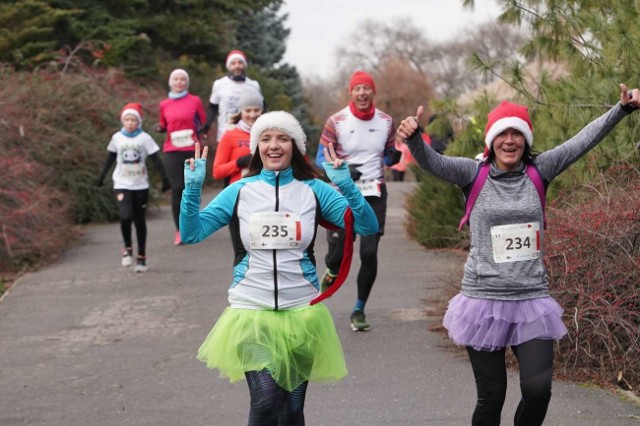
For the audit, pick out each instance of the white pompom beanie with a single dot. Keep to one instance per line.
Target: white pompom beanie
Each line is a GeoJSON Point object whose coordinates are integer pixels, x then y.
{"type": "Point", "coordinates": [282, 121]}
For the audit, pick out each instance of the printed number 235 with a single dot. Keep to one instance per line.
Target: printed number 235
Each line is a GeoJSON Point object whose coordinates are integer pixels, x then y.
{"type": "Point", "coordinates": [275, 231]}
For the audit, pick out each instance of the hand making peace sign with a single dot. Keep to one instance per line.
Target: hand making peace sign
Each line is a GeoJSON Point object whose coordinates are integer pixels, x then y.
{"type": "Point", "coordinates": [192, 161]}
{"type": "Point", "coordinates": [331, 156]}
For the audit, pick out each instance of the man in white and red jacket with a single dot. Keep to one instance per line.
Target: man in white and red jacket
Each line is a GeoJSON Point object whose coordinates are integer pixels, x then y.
{"type": "Point", "coordinates": [226, 91]}
{"type": "Point", "coordinates": [365, 137]}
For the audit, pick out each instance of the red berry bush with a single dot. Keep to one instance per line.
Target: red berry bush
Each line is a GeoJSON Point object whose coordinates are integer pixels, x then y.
{"type": "Point", "coordinates": [35, 224]}
{"type": "Point", "coordinates": [593, 260]}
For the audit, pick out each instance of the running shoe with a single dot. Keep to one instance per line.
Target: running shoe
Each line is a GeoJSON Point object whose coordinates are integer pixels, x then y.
{"type": "Point", "coordinates": [126, 257]}
{"type": "Point", "coordinates": [327, 280]}
{"type": "Point", "coordinates": [141, 265]}
{"type": "Point", "coordinates": [359, 321]}
{"type": "Point", "coordinates": [177, 241]}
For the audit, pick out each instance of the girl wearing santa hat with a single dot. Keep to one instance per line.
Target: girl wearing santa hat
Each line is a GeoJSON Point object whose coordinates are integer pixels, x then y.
{"type": "Point", "coordinates": [504, 300]}
{"type": "Point", "coordinates": [129, 148]}
{"type": "Point", "coordinates": [275, 334]}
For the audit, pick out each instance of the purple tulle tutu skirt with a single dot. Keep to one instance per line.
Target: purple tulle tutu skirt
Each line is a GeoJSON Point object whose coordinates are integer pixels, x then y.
{"type": "Point", "coordinates": [488, 325]}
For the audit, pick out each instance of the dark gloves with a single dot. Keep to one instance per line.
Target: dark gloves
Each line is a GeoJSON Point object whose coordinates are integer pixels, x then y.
{"type": "Point", "coordinates": [395, 156]}
{"type": "Point", "coordinates": [355, 173]}
{"type": "Point", "coordinates": [166, 185]}
{"type": "Point", "coordinates": [243, 161]}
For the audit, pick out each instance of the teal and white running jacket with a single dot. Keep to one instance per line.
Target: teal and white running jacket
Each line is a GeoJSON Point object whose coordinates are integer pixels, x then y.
{"type": "Point", "coordinates": [273, 219]}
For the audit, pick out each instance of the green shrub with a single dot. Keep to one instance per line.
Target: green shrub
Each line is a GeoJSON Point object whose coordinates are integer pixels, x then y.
{"type": "Point", "coordinates": [55, 129]}
{"type": "Point", "coordinates": [63, 122]}
{"type": "Point", "coordinates": [435, 209]}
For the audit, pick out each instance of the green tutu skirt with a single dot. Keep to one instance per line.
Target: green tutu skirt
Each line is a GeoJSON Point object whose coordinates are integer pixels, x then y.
{"type": "Point", "coordinates": [294, 345]}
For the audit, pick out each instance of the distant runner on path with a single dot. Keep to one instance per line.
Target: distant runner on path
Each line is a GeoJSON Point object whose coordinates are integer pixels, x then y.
{"type": "Point", "coordinates": [129, 149]}
{"type": "Point", "coordinates": [364, 136]}
{"type": "Point", "coordinates": [182, 118]}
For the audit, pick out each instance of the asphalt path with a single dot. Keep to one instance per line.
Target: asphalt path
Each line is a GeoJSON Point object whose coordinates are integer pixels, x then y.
{"type": "Point", "coordinates": [87, 342]}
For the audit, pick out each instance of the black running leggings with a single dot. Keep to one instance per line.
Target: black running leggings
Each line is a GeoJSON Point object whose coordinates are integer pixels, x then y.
{"type": "Point", "coordinates": [368, 248]}
{"type": "Point", "coordinates": [271, 404]}
{"type": "Point", "coordinates": [174, 167]}
{"type": "Point", "coordinates": [132, 206]}
{"type": "Point", "coordinates": [535, 359]}
{"type": "Point", "coordinates": [368, 259]}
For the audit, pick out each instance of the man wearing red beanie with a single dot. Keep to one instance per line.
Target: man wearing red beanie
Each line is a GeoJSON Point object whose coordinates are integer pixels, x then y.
{"type": "Point", "coordinates": [364, 137]}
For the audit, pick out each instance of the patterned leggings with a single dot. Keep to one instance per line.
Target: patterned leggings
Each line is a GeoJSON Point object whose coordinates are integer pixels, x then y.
{"type": "Point", "coordinates": [272, 405]}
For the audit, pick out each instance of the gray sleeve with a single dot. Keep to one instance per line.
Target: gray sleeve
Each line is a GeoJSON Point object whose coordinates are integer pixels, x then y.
{"type": "Point", "coordinates": [553, 162]}
{"type": "Point", "coordinates": [457, 170]}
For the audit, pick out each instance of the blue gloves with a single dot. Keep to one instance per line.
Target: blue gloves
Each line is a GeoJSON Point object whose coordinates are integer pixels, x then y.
{"type": "Point", "coordinates": [339, 176]}
{"type": "Point", "coordinates": [195, 178]}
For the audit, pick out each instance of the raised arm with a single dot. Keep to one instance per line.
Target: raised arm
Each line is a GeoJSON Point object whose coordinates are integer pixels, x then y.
{"type": "Point", "coordinates": [333, 204]}
{"type": "Point", "coordinates": [457, 170]}
{"type": "Point", "coordinates": [196, 225]}
{"type": "Point", "coordinates": [553, 162]}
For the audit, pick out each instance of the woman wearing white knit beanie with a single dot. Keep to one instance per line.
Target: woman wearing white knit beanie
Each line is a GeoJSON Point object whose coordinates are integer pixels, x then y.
{"type": "Point", "coordinates": [181, 118]}
{"type": "Point", "coordinates": [275, 333]}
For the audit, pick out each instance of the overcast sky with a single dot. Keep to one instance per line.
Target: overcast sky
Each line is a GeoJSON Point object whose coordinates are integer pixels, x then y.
{"type": "Point", "coordinates": [319, 27]}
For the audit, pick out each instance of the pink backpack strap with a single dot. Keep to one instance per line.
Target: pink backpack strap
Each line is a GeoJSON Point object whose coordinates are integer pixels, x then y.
{"type": "Point", "coordinates": [535, 177]}
{"type": "Point", "coordinates": [481, 178]}
{"type": "Point", "coordinates": [478, 183]}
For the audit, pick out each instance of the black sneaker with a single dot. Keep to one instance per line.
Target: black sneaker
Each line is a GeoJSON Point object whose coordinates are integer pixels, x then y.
{"type": "Point", "coordinates": [359, 321]}
{"type": "Point", "coordinates": [327, 280]}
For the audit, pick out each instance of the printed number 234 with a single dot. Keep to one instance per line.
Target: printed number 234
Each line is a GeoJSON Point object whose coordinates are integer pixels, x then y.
{"type": "Point", "coordinates": [517, 243]}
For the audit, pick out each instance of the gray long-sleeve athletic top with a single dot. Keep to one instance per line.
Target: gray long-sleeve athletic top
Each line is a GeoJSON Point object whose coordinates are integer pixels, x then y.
{"type": "Point", "coordinates": [509, 198]}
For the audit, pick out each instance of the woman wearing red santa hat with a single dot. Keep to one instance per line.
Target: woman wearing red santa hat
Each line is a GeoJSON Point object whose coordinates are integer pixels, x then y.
{"type": "Point", "coordinates": [504, 300]}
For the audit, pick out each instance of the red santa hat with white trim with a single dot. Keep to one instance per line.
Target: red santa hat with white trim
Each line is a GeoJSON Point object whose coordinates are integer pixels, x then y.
{"type": "Point", "coordinates": [134, 109]}
{"type": "Point", "coordinates": [236, 54]}
{"type": "Point", "coordinates": [505, 116]}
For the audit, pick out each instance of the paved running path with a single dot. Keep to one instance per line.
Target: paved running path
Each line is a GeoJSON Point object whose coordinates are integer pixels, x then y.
{"type": "Point", "coordinates": [85, 342]}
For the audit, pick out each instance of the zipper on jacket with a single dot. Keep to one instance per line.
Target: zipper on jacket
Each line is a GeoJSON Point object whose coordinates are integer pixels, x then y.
{"type": "Point", "coordinates": [275, 259]}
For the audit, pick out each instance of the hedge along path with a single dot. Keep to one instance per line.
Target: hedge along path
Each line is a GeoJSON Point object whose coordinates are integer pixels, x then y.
{"type": "Point", "coordinates": [593, 261]}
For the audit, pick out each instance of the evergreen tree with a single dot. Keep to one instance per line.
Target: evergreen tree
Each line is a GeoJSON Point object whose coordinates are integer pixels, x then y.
{"type": "Point", "coordinates": [26, 31]}
{"type": "Point", "coordinates": [136, 35]}
{"type": "Point", "coordinates": [597, 44]}
{"type": "Point", "coordinates": [262, 36]}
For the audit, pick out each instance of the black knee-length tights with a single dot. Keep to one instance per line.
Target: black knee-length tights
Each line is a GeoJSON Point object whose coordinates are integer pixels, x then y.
{"type": "Point", "coordinates": [535, 359]}
{"type": "Point", "coordinates": [271, 404]}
